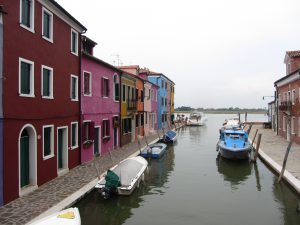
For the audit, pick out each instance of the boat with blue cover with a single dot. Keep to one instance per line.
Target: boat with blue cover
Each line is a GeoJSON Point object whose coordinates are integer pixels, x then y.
{"type": "Point", "coordinates": [170, 136]}
{"type": "Point", "coordinates": [155, 150]}
{"type": "Point", "coordinates": [234, 143]}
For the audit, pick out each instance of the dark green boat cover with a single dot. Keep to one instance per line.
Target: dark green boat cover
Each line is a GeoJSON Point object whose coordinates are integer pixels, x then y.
{"type": "Point", "coordinates": [112, 180]}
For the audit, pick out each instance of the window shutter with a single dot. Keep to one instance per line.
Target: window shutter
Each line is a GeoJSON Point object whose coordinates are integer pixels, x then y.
{"type": "Point", "coordinates": [102, 85]}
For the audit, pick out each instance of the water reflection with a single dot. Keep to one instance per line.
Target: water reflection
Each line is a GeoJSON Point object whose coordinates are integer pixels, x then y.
{"type": "Point", "coordinates": [287, 202]}
{"type": "Point", "coordinates": [236, 172]}
{"type": "Point", "coordinates": [95, 210]}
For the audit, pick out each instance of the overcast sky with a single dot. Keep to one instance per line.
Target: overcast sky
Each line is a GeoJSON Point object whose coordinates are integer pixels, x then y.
{"type": "Point", "coordinates": [220, 53]}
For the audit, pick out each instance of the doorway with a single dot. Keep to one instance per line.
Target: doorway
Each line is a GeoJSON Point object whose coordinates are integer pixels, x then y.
{"type": "Point", "coordinates": [62, 150]}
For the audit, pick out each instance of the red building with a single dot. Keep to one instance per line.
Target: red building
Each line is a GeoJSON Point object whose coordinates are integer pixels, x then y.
{"type": "Point", "coordinates": [288, 98]}
{"type": "Point", "coordinates": [41, 103]}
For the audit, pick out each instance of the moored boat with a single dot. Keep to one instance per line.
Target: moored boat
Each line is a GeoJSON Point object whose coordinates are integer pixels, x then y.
{"type": "Point", "coordinates": [234, 144]}
{"type": "Point", "coordinates": [68, 216]}
{"type": "Point", "coordinates": [155, 150]}
{"type": "Point", "coordinates": [170, 136]}
{"type": "Point", "coordinates": [123, 178]}
{"type": "Point", "coordinates": [196, 118]}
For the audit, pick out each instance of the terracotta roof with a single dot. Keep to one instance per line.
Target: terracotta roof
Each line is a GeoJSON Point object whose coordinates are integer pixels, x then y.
{"type": "Point", "coordinates": [293, 54]}
{"type": "Point", "coordinates": [129, 67]}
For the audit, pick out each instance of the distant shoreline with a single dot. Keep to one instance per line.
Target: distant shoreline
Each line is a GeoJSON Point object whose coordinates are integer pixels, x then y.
{"type": "Point", "coordinates": [223, 112]}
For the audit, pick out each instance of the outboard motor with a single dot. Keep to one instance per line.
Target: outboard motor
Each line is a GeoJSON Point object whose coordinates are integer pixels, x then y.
{"type": "Point", "coordinates": [107, 192]}
{"type": "Point", "coordinates": [112, 181]}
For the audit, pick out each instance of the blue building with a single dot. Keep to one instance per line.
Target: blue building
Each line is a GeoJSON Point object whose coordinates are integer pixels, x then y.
{"type": "Point", "coordinates": [163, 108]}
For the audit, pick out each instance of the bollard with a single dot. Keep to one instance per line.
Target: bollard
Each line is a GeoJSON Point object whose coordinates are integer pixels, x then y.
{"type": "Point", "coordinates": [284, 161]}
{"type": "Point", "coordinates": [257, 147]}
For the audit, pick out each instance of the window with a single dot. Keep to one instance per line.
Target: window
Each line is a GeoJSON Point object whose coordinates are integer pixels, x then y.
{"type": "Point", "coordinates": [48, 140]}
{"type": "Point", "coordinates": [293, 96]}
{"type": "Point", "coordinates": [142, 96]}
{"type": "Point", "coordinates": [142, 119]}
{"type": "Point", "coordinates": [137, 120]}
{"type": "Point", "coordinates": [47, 22]}
{"type": "Point", "coordinates": [279, 99]}
{"type": "Point", "coordinates": [27, 14]}
{"type": "Point", "coordinates": [74, 42]}
{"type": "Point", "coordinates": [116, 88]}
{"type": "Point", "coordinates": [74, 135]}
{"type": "Point", "coordinates": [132, 94]}
{"type": "Point", "coordinates": [162, 83]}
{"type": "Point", "coordinates": [87, 84]}
{"type": "Point", "coordinates": [124, 93]}
{"type": "Point", "coordinates": [26, 78]}
{"type": "Point", "coordinates": [74, 88]}
{"type": "Point", "coordinates": [162, 101]}
{"type": "Point", "coordinates": [146, 116]}
{"type": "Point", "coordinates": [47, 82]}
{"type": "Point", "coordinates": [88, 131]}
{"type": "Point", "coordinates": [284, 123]}
{"type": "Point", "coordinates": [126, 125]}
{"type": "Point", "coordinates": [105, 87]}
{"type": "Point", "coordinates": [105, 129]}
{"type": "Point", "coordinates": [136, 94]}
{"type": "Point", "coordinates": [128, 93]}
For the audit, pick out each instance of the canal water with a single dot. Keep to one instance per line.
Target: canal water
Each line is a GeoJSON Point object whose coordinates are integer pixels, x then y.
{"type": "Point", "coordinates": [189, 185]}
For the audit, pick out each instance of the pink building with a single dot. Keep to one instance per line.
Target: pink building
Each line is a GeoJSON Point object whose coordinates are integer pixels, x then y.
{"type": "Point", "coordinates": [100, 104]}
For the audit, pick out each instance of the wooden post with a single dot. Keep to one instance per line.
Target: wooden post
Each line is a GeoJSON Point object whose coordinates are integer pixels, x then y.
{"type": "Point", "coordinates": [254, 137]}
{"type": "Point", "coordinates": [146, 140]}
{"type": "Point", "coordinates": [94, 162]}
{"type": "Point", "coordinates": [249, 129]}
{"type": "Point", "coordinates": [139, 144]}
{"type": "Point", "coordinates": [285, 159]}
{"type": "Point", "coordinates": [239, 115]}
{"type": "Point", "coordinates": [246, 114]}
{"type": "Point", "coordinates": [257, 147]}
{"type": "Point", "coordinates": [158, 134]}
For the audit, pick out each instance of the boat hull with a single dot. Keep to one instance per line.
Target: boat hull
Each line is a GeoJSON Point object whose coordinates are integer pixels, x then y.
{"type": "Point", "coordinates": [154, 151]}
{"type": "Point", "coordinates": [170, 136]}
{"type": "Point", "coordinates": [234, 153]}
{"type": "Point", "coordinates": [131, 172]}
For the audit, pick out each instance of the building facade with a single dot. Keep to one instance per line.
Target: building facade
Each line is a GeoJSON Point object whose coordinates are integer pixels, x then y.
{"type": "Point", "coordinates": [40, 94]}
{"type": "Point", "coordinates": [288, 99]}
{"type": "Point", "coordinates": [100, 104]}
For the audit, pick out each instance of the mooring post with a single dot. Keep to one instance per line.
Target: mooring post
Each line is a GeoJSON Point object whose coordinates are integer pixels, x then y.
{"type": "Point", "coordinates": [285, 159]}
{"type": "Point", "coordinates": [246, 116]}
{"type": "Point", "coordinates": [249, 129]}
{"type": "Point", "coordinates": [254, 137]}
{"type": "Point", "coordinates": [257, 148]}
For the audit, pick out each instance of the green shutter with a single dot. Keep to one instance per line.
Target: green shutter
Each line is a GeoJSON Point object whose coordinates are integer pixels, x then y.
{"type": "Point", "coordinates": [47, 141]}
{"type": "Point", "coordinates": [73, 135]}
{"type": "Point", "coordinates": [46, 25]}
{"type": "Point", "coordinates": [46, 82]}
{"type": "Point", "coordinates": [25, 78]}
{"type": "Point", "coordinates": [24, 159]}
{"type": "Point", "coordinates": [60, 146]}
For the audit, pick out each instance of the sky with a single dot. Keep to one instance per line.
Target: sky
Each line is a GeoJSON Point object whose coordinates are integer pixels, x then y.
{"type": "Point", "coordinates": [219, 53]}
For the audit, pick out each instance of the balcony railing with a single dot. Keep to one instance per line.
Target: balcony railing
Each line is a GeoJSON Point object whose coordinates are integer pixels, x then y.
{"type": "Point", "coordinates": [131, 104]}
{"type": "Point", "coordinates": [285, 106]}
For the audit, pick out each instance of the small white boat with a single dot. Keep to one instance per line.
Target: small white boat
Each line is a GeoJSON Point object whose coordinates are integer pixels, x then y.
{"type": "Point", "coordinates": [155, 150]}
{"type": "Point", "coordinates": [68, 216]}
{"type": "Point", "coordinates": [123, 178]}
{"type": "Point", "coordinates": [196, 119]}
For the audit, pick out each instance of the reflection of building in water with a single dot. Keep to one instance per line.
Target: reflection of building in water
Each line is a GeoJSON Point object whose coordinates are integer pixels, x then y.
{"type": "Point", "coordinates": [115, 211]}
{"type": "Point", "coordinates": [288, 201]}
{"type": "Point", "coordinates": [235, 172]}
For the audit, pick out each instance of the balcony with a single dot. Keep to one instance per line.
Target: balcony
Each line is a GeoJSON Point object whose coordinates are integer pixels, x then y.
{"type": "Point", "coordinates": [285, 106]}
{"type": "Point", "coordinates": [131, 104]}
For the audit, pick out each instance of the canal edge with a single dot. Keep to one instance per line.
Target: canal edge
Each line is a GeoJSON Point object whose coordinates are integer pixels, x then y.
{"type": "Point", "coordinates": [76, 196]}
{"type": "Point", "coordinates": [287, 176]}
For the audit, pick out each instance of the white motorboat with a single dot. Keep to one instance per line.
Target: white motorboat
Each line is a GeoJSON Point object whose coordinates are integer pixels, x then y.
{"type": "Point", "coordinates": [196, 119]}
{"type": "Point", "coordinates": [68, 216]}
{"type": "Point", "coordinates": [155, 150]}
{"type": "Point", "coordinates": [123, 178]}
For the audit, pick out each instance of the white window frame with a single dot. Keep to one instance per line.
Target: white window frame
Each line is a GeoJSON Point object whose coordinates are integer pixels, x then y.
{"type": "Point", "coordinates": [90, 84]}
{"type": "Point", "coordinates": [31, 28]}
{"type": "Point", "coordinates": [76, 91]}
{"type": "Point", "coordinates": [31, 94]}
{"type": "Point", "coordinates": [76, 46]}
{"type": "Point", "coordinates": [50, 39]}
{"type": "Point", "coordinates": [51, 82]}
{"type": "Point", "coordinates": [102, 87]}
{"type": "Point", "coordinates": [76, 135]}
{"type": "Point", "coordinates": [106, 136]}
{"type": "Point", "coordinates": [114, 87]}
{"type": "Point", "coordinates": [51, 142]}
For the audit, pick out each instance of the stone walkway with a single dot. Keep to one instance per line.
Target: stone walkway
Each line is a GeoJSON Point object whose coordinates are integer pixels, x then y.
{"type": "Point", "coordinates": [272, 151]}
{"type": "Point", "coordinates": [49, 195]}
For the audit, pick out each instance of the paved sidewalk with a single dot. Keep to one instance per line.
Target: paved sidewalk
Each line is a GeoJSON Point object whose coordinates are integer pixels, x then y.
{"type": "Point", "coordinates": [64, 190]}
{"type": "Point", "coordinates": [272, 151]}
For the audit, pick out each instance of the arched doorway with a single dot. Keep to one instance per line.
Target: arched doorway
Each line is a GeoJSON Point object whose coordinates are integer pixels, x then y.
{"type": "Point", "coordinates": [27, 160]}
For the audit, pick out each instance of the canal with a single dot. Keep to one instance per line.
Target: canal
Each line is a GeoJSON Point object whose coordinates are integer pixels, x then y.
{"type": "Point", "coordinates": [190, 186]}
